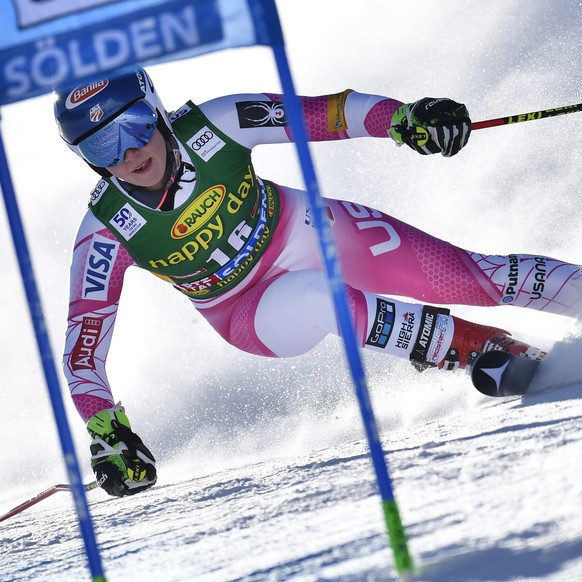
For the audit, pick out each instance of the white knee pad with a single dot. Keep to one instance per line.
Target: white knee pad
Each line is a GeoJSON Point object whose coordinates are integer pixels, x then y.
{"type": "Point", "coordinates": [295, 313]}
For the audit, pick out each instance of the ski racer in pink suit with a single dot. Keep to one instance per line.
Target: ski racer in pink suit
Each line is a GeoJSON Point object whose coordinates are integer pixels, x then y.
{"type": "Point", "coordinates": [179, 197]}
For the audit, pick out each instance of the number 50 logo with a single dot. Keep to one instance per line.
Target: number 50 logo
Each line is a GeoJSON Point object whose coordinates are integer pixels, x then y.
{"type": "Point", "coordinates": [127, 221]}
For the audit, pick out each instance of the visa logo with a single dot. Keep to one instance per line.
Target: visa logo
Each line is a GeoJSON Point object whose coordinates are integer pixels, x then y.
{"type": "Point", "coordinates": [98, 266]}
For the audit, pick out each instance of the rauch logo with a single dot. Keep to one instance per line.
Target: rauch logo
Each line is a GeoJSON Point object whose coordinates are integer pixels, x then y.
{"type": "Point", "coordinates": [199, 212]}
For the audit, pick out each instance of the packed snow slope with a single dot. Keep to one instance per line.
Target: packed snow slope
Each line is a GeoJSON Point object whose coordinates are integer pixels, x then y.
{"type": "Point", "coordinates": [264, 471]}
{"type": "Point", "coordinates": [489, 490]}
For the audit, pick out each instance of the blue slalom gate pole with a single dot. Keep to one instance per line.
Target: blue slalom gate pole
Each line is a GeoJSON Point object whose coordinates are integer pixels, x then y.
{"type": "Point", "coordinates": [396, 534]}
{"type": "Point", "coordinates": [48, 364]}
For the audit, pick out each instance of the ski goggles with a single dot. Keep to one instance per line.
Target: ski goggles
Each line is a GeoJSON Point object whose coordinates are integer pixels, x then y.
{"type": "Point", "coordinates": [133, 128]}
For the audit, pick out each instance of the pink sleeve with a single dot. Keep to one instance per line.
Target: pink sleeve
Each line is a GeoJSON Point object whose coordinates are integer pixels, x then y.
{"type": "Point", "coordinates": [345, 115]}
{"type": "Point", "coordinates": [97, 270]}
{"type": "Point", "coordinates": [259, 118]}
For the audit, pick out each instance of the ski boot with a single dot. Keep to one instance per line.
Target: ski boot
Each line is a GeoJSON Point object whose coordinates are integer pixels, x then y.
{"type": "Point", "coordinates": [472, 339]}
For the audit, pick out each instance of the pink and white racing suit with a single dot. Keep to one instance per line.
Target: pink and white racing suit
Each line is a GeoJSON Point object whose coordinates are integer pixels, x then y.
{"type": "Point", "coordinates": [283, 307]}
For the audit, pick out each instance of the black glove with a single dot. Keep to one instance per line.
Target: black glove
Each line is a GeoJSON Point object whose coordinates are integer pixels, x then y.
{"type": "Point", "coordinates": [432, 126]}
{"type": "Point", "coordinates": [122, 464]}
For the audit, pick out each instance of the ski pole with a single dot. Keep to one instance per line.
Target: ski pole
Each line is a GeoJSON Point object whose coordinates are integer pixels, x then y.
{"type": "Point", "coordinates": [395, 529]}
{"type": "Point", "coordinates": [511, 119]}
{"type": "Point", "coordinates": [43, 495]}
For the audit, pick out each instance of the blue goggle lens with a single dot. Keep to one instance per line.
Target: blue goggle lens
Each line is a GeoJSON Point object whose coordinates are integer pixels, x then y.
{"type": "Point", "coordinates": [134, 128]}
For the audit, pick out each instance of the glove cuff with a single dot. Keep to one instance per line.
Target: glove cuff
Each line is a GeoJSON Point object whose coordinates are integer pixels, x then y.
{"type": "Point", "coordinates": [399, 122]}
{"type": "Point", "coordinates": [109, 424]}
{"type": "Point", "coordinates": [122, 464]}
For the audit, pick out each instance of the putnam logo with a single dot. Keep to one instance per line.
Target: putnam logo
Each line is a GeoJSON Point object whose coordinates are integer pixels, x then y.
{"type": "Point", "coordinates": [199, 212]}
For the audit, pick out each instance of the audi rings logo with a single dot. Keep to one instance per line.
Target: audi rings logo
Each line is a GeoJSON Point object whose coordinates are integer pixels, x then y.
{"type": "Point", "coordinates": [205, 143]}
{"type": "Point", "coordinates": [201, 140]}
{"type": "Point", "coordinates": [83, 354]}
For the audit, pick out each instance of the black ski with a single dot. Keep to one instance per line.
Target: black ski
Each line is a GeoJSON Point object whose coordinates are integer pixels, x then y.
{"type": "Point", "coordinates": [498, 373]}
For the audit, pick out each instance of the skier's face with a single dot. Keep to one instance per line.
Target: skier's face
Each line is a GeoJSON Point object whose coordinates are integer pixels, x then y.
{"type": "Point", "coordinates": [144, 167]}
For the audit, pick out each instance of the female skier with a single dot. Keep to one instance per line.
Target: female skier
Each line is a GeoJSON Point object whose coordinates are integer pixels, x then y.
{"type": "Point", "coordinates": [179, 197]}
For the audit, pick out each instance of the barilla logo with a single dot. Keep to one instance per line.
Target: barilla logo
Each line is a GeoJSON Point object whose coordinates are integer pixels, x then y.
{"type": "Point", "coordinates": [199, 212]}
{"type": "Point", "coordinates": [84, 93]}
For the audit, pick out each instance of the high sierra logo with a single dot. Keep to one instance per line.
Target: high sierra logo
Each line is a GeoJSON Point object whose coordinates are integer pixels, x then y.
{"type": "Point", "coordinates": [199, 212]}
